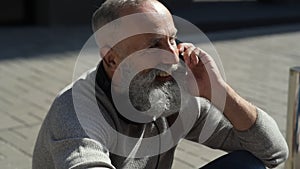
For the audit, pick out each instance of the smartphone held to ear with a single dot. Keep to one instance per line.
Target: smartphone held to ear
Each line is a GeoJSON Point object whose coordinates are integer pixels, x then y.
{"type": "Point", "coordinates": [180, 54]}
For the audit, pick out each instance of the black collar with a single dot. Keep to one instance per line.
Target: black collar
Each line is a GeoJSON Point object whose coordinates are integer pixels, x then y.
{"type": "Point", "coordinates": [103, 81]}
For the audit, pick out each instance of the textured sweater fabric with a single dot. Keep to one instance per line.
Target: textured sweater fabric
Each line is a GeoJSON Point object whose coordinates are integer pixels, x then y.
{"type": "Point", "coordinates": [79, 132]}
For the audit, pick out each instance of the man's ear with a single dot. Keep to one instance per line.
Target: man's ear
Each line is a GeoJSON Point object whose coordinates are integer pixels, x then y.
{"type": "Point", "coordinates": [109, 57]}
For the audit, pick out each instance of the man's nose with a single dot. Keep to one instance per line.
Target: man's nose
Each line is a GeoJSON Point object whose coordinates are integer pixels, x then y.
{"type": "Point", "coordinates": [171, 56]}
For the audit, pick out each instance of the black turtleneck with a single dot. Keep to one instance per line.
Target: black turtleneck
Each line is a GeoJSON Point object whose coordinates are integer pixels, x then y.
{"type": "Point", "coordinates": [103, 81]}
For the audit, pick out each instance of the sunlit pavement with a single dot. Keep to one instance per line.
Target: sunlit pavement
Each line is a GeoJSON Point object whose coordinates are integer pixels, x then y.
{"type": "Point", "coordinates": [35, 63]}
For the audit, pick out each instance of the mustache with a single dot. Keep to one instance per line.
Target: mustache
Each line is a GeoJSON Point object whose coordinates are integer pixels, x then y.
{"type": "Point", "coordinates": [148, 78]}
{"type": "Point", "coordinates": [170, 69]}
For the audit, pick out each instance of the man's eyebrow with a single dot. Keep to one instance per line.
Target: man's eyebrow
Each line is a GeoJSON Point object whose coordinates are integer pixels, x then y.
{"type": "Point", "coordinates": [158, 37]}
{"type": "Point", "coordinates": [155, 39]}
{"type": "Point", "coordinates": [174, 32]}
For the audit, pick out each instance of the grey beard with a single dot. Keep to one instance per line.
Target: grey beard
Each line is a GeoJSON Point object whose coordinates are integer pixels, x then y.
{"type": "Point", "coordinates": [162, 98]}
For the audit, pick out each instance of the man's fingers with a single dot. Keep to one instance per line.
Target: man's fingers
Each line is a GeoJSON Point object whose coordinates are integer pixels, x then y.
{"type": "Point", "coordinates": [205, 58]}
{"type": "Point", "coordinates": [195, 56]}
{"type": "Point", "coordinates": [187, 55]}
{"type": "Point", "coordinates": [183, 46]}
{"type": "Point", "coordinates": [186, 49]}
{"type": "Point", "coordinates": [192, 55]}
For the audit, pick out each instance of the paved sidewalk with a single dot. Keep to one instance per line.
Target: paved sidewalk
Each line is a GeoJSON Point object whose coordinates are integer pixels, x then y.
{"type": "Point", "coordinates": [35, 63]}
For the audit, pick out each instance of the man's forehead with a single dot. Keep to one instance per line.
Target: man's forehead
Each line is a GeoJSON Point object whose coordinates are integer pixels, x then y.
{"type": "Point", "coordinates": [149, 22]}
{"type": "Point", "coordinates": [135, 24]}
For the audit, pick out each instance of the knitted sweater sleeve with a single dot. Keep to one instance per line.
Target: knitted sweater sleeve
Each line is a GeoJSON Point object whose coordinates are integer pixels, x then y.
{"type": "Point", "coordinates": [263, 139]}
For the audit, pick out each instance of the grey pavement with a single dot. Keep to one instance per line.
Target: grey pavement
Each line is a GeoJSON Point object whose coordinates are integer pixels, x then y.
{"type": "Point", "coordinates": [36, 63]}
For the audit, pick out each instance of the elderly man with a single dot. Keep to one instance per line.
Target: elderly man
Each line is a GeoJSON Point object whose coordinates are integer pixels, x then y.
{"type": "Point", "coordinates": [90, 124]}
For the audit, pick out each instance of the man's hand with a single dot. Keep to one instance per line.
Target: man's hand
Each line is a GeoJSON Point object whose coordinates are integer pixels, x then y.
{"type": "Point", "coordinates": [204, 69]}
{"type": "Point", "coordinates": [238, 111]}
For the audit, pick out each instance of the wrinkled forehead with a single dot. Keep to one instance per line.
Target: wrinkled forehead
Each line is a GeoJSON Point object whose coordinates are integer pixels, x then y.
{"type": "Point", "coordinates": [135, 24]}
{"type": "Point", "coordinates": [150, 22]}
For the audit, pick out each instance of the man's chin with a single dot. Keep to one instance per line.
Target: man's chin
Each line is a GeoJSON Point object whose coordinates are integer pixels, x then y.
{"type": "Point", "coordinates": [169, 113]}
{"type": "Point", "coordinates": [164, 79]}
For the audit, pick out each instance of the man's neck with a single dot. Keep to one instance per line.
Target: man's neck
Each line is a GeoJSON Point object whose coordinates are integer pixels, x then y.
{"type": "Point", "coordinates": [103, 81]}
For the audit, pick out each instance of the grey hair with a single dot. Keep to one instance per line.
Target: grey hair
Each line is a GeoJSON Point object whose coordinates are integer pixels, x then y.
{"type": "Point", "coordinates": [110, 10]}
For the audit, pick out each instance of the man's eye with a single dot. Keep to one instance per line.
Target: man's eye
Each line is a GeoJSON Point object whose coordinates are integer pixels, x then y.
{"type": "Point", "coordinates": [173, 40]}
{"type": "Point", "coordinates": [154, 44]}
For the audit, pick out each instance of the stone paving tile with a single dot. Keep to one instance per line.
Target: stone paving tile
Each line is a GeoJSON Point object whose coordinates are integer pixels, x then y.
{"type": "Point", "coordinates": [8, 122]}
{"type": "Point", "coordinates": [180, 163]}
{"type": "Point", "coordinates": [24, 114]}
{"type": "Point", "coordinates": [271, 75]}
{"type": "Point", "coordinates": [22, 138]}
{"type": "Point", "coordinates": [194, 155]}
{"type": "Point", "coordinates": [11, 158]}
{"type": "Point", "coordinates": [5, 104]}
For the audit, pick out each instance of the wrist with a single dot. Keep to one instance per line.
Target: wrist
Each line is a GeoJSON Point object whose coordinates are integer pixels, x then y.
{"type": "Point", "coordinates": [218, 94]}
{"type": "Point", "coordinates": [241, 113]}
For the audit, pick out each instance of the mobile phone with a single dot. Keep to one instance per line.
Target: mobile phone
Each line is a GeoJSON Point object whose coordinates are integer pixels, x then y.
{"type": "Point", "coordinates": [180, 55]}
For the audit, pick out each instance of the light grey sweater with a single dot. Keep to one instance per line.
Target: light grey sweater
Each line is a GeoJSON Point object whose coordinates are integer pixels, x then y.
{"type": "Point", "coordinates": [77, 133]}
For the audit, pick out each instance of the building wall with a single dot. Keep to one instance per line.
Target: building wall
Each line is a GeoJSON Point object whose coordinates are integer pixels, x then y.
{"type": "Point", "coordinates": [65, 12]}
{"type": "Point", "coordinates": [57, 12]}
{"type": "Point", "coordinates": [13, 11]}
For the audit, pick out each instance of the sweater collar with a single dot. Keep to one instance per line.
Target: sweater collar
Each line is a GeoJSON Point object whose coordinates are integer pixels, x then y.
{"type": "Point", "coordinates": [103, 81]}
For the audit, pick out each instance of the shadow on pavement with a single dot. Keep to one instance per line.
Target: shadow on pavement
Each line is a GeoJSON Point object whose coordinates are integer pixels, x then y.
{"type": "Point", "coordinates": [29, 42]}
